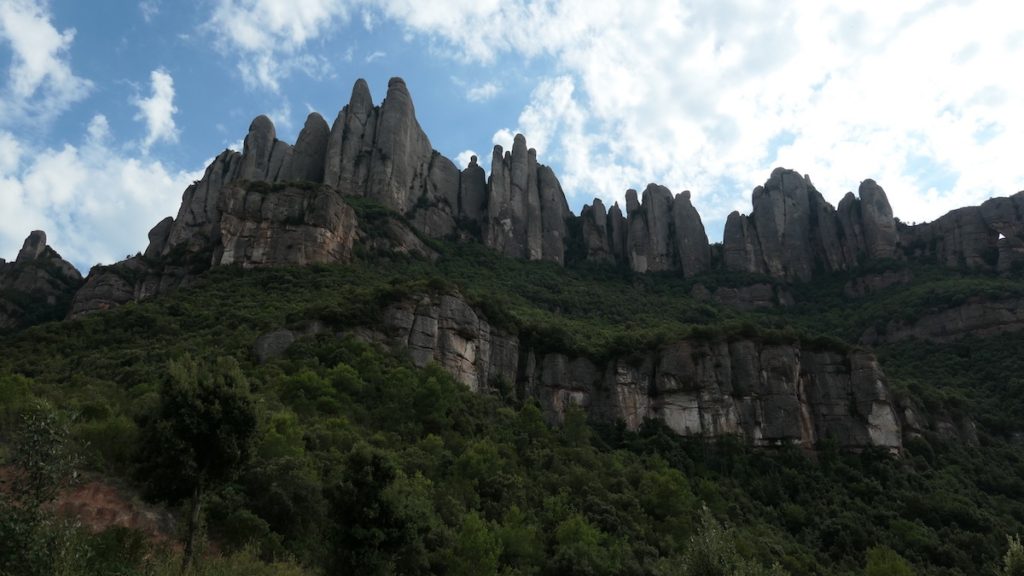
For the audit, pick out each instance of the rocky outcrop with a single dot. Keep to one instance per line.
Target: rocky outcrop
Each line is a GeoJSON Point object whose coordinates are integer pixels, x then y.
{"type": "Point", "coordinates": [756, 296]}
{"type": "Point", "coordinates": [977, 317]}
{"type": "Point", "coordinates": [868, 284]}
{"type": "Point", "coordinates": [307, 159]}
{"type": "Point", "coordinates": [520, 210]}
{"type": "Point", "coordinates": [659, 233]}
{"type": "Point", "coordinates": [987, 237]}
{"type": "Point", "coordinates": [36, 287]}
{"type": "Point", "coordinates": [649, 241]}
{"type": "Point", "coordinates": [132, 280]}
{"type": "Point", "coordinates": [793, 234]}
{"type": "Point", "coordinates": [445, 330]}
{"type": "Point", "coordinates": [526, 208]}
{"type": "Point", "coordinates": [765, 394]}
{"type": "Point", "coordinates": [692, 248]}
{"type": "Point", "coordinates": [291, 226]}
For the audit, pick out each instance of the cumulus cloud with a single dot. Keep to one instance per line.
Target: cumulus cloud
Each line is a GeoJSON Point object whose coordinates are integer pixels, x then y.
{"type": "Point", "coordinates": [95, 203]}
{"type": "Point", "coordinates": [709, 95]}
{"type": "Point", "coordinates": [271, 35]}
{"type": "Point", "coordinates": [40, 83]}
{"type": "Point", "coordinates": [158, 110]}
{"type": "Point", "coordinates": [462, 159]}
{"type": "Point", "coordinates": [483, 92]}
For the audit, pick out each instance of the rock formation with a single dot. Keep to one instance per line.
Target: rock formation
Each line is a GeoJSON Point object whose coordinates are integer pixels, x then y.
{"type": "Point", "coordinates": [37, 286]}
{"type": "Point", "coordinates": [793, 234]}
{"type": "Point", "coordinates": [765, 394]}
{"type": "Point", "coordinates": [290, 226]}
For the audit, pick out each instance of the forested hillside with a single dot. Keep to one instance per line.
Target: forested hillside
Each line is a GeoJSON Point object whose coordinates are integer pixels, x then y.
{"type": "Point", "coordinates": [336, 454]}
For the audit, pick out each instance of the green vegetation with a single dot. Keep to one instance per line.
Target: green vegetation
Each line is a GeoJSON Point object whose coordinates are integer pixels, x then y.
{"type": "Point", "coordinates": [340, 457]}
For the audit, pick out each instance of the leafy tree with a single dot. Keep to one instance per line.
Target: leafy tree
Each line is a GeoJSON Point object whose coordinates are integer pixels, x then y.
{"type": "Point", "coordinates": [33, 540]}
{"type": "Point", "coordinates": [384, 520]}
{"type": "Point", "coordinates": [712, 552]}
{"type": "Point", "coordinates": [884, 561]}
{"type": "Point", "coordinates": [200, 436]}
{"type": "Point", "coordinates": [1013, 562]}
{"type": "Point", "coordinates": [476, 549]}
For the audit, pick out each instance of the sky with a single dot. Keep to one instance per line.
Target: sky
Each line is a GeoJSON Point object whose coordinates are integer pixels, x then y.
{"type": "Point", "coordinates": [110, 108]}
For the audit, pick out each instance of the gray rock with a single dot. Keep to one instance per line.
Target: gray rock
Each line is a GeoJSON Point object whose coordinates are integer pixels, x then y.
{"type": "Point", "coordinates": [879, 226]}
{"type": "Point", "coordinates": [617, 234]}
{"type": "Point", "coordinates": [258, 149]}
{"type": "Point", "coordinates": [286, 227]}
{"type": "Point", "coordinates": [499, 224]}
{"type": "Point", "coordinates": [781, 218]}
{"type": "Point", "coordinates": [309, 153]}
{"type": "Point", "coordinates": [351, 142]}
{"type": "Point", "coordinates": [594, 225]}
{"type": "Point", "coordinates": [741, 250]}
{"type": "Point", "coordinates": [33, 247]}
{"type": "Point", "coordinates": [825, 235]}
{"type": "Point", "coordinates": [435, 213]}
{"type": "Point", "coordinates": [473, 193]}
{"type": "Point", "coordinates": [158, 237]}
{"type": "Point", "coordinates": [637, 234]}
{"type": "Point", "coordinates": [196, 223]}
{"type": "Point", "coordinates": [554, 212]}
{"type": "Point", "coordinates": [977, 318]}
{"type": "Point", "coordinates": [690, 238]}
{"type": "Point", "coordinates": [401, 152]}
{"type": "Point", "coordinates": [851, 230]}
{"type": "Point", "coordinates": [37, 286]}
{"type": "Point", "coordinates": [534, 231]}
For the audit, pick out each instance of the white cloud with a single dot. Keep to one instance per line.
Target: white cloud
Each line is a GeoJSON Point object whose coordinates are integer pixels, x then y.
{"type": "Point", "coordinates": [461, 160]}
{"type": "Point", "coordinates": [149, 9]}
{"type": "Point", "coordinates": [376, 55]}
{"type": "Point", "coordinates": [95, 203]}
{"type": "Point", "coordinates": [40, 83]}
{"type": "Point", "coordinates": [10, 153]}
{"type": "Point", "coordinates": [282, 119]}
{"type": "Point", "coordinates": [271, 36]}
{"type": "Point", "coordinates": [483, 92]}
{"type": "Point", "coordinates": [158, 110]}
{"type": "Point", "coordinates": [709, 95]}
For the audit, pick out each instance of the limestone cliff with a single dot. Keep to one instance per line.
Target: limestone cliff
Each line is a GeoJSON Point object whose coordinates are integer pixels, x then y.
{"type": "Point", "coordinates": [764, 394]}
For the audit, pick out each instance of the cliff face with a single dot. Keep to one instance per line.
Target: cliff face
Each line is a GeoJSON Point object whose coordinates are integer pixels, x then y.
{"type": "Point", "coordinates": [764, 394]}
{"type": "Point", "coordinates": [37, 286]}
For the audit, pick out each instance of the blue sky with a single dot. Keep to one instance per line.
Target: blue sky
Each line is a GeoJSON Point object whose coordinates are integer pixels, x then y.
{"type": "Point", "coordinates": [108, 109]}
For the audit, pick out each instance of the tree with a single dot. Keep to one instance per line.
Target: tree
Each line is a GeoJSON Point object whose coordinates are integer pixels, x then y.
{"type": "Point", "coordinates": [884, 561]}
{"type": "Point", "coordinates": [1013, 562]}
{"type": "Point", "coordinates": [200, 436]}
{"type": "Point", "coordinates": [33, 540]}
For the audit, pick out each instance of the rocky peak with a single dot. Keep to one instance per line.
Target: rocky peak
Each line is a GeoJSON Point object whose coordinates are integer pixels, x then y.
{"type": "Point", "coordinates": [306, 162]}
{"type": "Point", "coordinates": [262, 153]}
{"type": "Point", "coordinates": [37, 286]}
{"type": "Point", "coordinates": [33, 246]}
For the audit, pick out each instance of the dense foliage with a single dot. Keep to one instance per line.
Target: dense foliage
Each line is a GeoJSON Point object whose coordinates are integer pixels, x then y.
{"type": "Point", "coordinates": [358, 462]}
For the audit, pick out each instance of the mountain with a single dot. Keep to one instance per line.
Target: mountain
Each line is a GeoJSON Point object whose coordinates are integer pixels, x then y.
{"type": "Point", "coordinates": [276, 204]}
{"type": "Point", "coordinates": [393, 315]}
